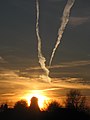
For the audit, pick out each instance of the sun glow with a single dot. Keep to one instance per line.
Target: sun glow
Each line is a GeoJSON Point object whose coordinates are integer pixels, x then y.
{"type": "Point", "coordinates": [36, 93]}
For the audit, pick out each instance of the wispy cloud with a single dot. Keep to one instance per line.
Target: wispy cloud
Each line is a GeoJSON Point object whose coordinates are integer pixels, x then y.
{"type": "Point", "coordinates": [68, 83]}
{"type": "Point", "coordinates": [16, 83]}
{"type": "Point", "coordinates": [2, 60]}
{"type": "Point", "coordinates": [63, 65]}
{"type": "Point", "coordinates": [75, 21]}
{"type": "Point", "coordinates": [74, 69]}
{"type": "Point", "coordinates": [72, 64]}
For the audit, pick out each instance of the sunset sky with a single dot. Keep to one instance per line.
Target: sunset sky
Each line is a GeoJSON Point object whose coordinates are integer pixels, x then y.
{"type": "Point", "coordinates": [19, 67]}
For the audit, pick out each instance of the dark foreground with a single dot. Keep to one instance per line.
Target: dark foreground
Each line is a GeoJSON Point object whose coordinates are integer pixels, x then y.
{"type": "Point", "coordinates": [62, 114]}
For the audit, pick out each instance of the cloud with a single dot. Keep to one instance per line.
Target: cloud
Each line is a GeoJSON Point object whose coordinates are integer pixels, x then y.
{"type": "Point", "coordinates": [75, 21]}
{"type": "Point", "coordinates": [74, 69]}
{"type": "Point", "coordinates": [13, 87]}
{"type": "Point", "coordinates": [70, 83]}
{"type": "Point", "coordinates": [9, 79]}
{"type": "Point", "coordinates": [63, 65]}
{"type": "Point", "coordinates": [2, 60]}
{"type": "Point", "coordinates": [72, 64]}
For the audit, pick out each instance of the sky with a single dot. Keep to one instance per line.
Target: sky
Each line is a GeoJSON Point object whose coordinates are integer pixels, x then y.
{"type": "Point", "coordinates": [19, 67]}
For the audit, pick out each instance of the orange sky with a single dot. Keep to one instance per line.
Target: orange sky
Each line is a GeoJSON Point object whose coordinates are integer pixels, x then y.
{"type": "Point", "coordinates": [14, 87]}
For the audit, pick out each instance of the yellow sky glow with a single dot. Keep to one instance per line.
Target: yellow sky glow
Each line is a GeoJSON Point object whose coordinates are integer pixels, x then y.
{"type": "Point", "coordinates": [36, 93]}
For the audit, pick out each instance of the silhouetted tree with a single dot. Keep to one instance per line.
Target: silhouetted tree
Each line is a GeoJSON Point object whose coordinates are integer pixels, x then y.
{"type": "Point", "coordinates": [1, 107]}
{"type": "Point", "coordinates": [75, 100]}
{"type": "Point", "coordinates": [4, 107]}
{"type": "Point", "coordinates": [34, 107]}
{"type": "Point", "coordinates": [20, 105]}
{"type": "Point", "coordinates": [53, 106]}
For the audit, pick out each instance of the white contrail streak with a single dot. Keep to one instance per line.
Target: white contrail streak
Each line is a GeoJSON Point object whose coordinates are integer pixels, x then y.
{"type": "Point", "coordinates": [65, 19]}
{"type": "Point", "coordinates": [41, 58]}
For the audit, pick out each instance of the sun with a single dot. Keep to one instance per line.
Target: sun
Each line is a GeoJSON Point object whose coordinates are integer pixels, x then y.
{"type": "Point", "coordinates": [36, 93]}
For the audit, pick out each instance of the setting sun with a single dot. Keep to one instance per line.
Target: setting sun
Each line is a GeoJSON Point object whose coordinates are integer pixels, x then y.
{"type": "Point", "coordinates": [39, 95]}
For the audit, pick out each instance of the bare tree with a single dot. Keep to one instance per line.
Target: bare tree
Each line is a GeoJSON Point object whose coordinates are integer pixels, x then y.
{"type": "Point", "coordinates": [75, 100]}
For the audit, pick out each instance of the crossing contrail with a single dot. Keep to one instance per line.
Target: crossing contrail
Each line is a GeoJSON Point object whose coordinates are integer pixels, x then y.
{"type": "Point", "coordinates": [41, 58]}
{"type": "Point", "coordinates": [65, 19]}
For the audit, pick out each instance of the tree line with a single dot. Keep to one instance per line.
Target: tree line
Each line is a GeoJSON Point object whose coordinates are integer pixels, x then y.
{"type": "Point", "coordinates": [75, 108]}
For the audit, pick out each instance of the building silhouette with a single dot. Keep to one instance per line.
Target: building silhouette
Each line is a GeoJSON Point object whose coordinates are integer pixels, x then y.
{"type": "Point", "coordinates": [34, 107]}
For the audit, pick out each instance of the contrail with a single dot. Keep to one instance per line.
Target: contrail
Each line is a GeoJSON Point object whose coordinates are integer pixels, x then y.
{"type": "Point", "coordinates": [65, 19]}
{"type": "Point", "coordinates": [41, 58]}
